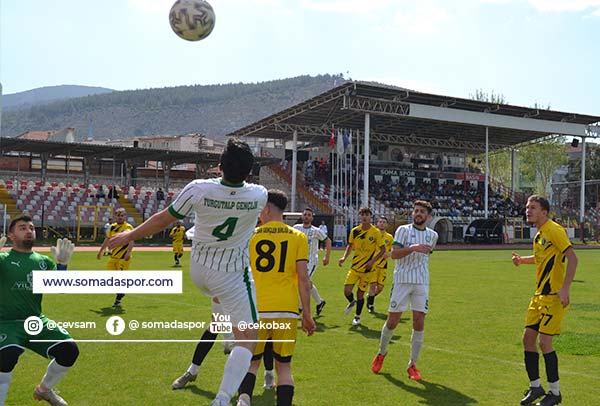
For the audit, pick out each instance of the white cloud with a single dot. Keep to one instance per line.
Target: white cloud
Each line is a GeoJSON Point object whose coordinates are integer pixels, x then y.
{"type": "Point", "coordinates": [556, 6]}
{"type": "Point", "coordinates": [159, 6]}
{"type": "Point", "coordinates": [346, 6]}
{"type": "Point", "coordinates": [565, 5]}
{"type": "Point", "coordinates": [151, 6]}
{"type": "Point", "coordinates": [425, 17]}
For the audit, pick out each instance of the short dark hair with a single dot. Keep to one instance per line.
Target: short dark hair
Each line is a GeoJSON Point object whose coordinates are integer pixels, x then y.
{"type": "Point", "coordinates": [236, 160]}
{"type": "Point", "coordinates": [383, 218]}
{"type": "Point", "coordinates": [543, 202]}
{"type": "Point", "coordinates": [278, 198]}
{"type": "Point", "coordinates": [424, 204]}
{"type": "Point", "coordinates": [364, 210]}
{"type": "Point", "coordinates": [309, 209]}
{"type": "Point", "coordinates": [22, 217]}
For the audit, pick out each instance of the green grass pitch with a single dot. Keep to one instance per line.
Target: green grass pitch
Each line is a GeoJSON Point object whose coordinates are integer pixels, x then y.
{"type": "Point", "coordinates": [472, 354]}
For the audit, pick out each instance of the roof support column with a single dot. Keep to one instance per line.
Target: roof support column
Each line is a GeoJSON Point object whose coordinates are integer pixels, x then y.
{"type": "Point", "coordinates": [366, 152]}
{"type": "Point", "coordinates": [487, 170]}
{"type": "Point", "coordinates": [582, 191]}
{"type": "Point", "coordinates": [167, 173]}
{"type": "Point", "coordinates": [513, 172]}
{"type": "Point", "coordinates": [87, 166]}
{"type": "Point", "coordinates": [128, 168]}
{"type": "Point", "coordinates": [294, 168]}
{"type": "Point", "coordinates": [44, 162]}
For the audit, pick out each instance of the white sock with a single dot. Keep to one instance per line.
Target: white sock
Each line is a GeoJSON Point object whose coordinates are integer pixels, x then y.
{"type": "Point", "coordinates": [315, 294]}
{"type": "Point", "coordinates": [416, 341]}
{"type": "Point", "coordinates": [554, 388]}
{"type": "Point", "coordinates": [235, 370]}
{"type": "Point", "coordinates": [193, 369]}
{"type": "Point", "coordinates": [4, 384]}
{"type": "Point", "coordinates": [535, 384]}
{"type": "Point", "coordinates": [384, 340]}
{"type": "Point", "coordinates": [54, 374]}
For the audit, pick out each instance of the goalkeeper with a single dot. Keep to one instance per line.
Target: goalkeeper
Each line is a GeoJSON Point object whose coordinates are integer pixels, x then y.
{"type": "Point", "coordinates": [18, 302]}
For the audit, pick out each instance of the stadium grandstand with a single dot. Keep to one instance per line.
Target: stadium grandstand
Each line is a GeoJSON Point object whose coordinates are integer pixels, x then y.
{"type": "Point", "coordinates": [365, 143]}
{"type": "Point", "coordinates": [357, 144]}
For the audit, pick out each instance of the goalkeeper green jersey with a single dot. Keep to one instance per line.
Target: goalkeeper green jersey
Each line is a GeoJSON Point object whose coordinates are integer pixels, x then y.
{"type": "Point", "coordinates": [17, 300]}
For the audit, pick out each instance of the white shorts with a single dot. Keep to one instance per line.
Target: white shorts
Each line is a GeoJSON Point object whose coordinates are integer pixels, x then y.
{"type": "Point", "coordinates": [404, 293]}
{"type": "Point", "coordinates": [235, 291]}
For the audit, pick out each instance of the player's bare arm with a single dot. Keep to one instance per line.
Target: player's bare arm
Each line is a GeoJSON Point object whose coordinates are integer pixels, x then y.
{"type": "Point", "coordinates": [156, 223]}
{"type": "Point", "coordinates": [518, 259]}
{"type": "Point", "coordinates": [327, 252]}
{"type": "Point", "coordinates": [102, 248]}
{"type": "Point", "coordinates": [564, 292]}
{"type": "Point", "coordinates": [127, 255]}
{"type": "Point", "coordinates": [381, 253]}
{"type": "Point", "coordinates": [304, 286]}
{"type": "Point", "coordinates": [398, 252]}
{"type": "Point", "coordinates": [349, 249]}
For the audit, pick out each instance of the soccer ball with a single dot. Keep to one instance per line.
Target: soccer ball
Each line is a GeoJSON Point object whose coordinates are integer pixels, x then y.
{"type": "Point", "coordinates": [192, 20]}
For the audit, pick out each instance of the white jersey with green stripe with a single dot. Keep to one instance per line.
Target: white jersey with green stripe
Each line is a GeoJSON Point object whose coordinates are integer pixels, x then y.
{"type": "Point", "coordinates": [413, 268]}
{"type": "Point", "coordinates": [225, 219]}
{"type": "Point", "coordinates": [314, 235]}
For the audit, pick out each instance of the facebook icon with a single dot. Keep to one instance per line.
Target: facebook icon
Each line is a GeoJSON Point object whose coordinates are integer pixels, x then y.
{"type": "Point", "coordinates": [115, 325]}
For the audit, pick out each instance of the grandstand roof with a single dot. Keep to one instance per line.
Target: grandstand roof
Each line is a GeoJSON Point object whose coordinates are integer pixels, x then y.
{"type": "Point", "coordinates": [406, 117]}
{"type": "Point", "coordinates": [99, 151]}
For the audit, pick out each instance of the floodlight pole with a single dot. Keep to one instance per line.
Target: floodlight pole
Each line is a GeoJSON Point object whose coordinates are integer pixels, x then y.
{"type": "Point", "coordinates": [4, 215]}
{"type": "Point", "coordinates": [582, 191]}
{"type": "Point", "coordinates": [366, 152]}
{"type": "Point", "coordinates": [487, 170]}
{"type": "Point", "coordinates": [294, 168]}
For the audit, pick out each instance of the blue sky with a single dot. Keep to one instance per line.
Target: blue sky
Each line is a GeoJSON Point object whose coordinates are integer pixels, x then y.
{"type": "Point", "coordinates": [531, 51]}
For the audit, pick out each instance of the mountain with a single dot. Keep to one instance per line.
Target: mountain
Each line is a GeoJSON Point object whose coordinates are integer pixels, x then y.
{"type": "Point", "coordinates": [43, 95]}
{"type": "Point", "coordinates": [213, 110]}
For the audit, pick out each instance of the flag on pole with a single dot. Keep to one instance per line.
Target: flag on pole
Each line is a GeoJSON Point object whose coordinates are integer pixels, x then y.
{"type": "Point", "coordinates": [332, 139]}
{"type": "Point", "coordinates": [345, 139]}
{"type": "Point", "coordinates": [350, 141]}
{"type": "Point", "coordinates": [340, 143]}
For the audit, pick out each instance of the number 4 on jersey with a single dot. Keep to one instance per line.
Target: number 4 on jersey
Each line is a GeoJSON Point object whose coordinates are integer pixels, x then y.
{"type": "Point", "coordinates": [225, 230]}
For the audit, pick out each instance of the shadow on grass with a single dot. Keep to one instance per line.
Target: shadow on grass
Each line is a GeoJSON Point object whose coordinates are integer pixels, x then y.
{"type": "Point", "coordinates": [432, 393]}
{"type": "Point", "coordinates": [265, 398]}
{"type": "Point", "coordinates": [381, 316]}
{"type": "Point", "coordinates": [321, 327]}
{"type": "Point", "coordinates": [108, 311]}
{"type": "Point", "coordinates": [366, 331]}
{"type": "Point", "coordinates": [210, 395]}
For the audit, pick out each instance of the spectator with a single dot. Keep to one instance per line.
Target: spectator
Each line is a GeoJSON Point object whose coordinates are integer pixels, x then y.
{"type": "Point", "coordinates": [323, 228]}
{"type": "Point", "coordinates": [100, 192]}
{"type": "Point", "coordinates": [160, 195]}
{"type": "Point", "coordinates": [112, 192]}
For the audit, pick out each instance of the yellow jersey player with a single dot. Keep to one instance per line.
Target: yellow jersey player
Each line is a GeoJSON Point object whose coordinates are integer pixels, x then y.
{"type": "Point", "coordinates": [550, 301]}
{"type": "Point", "coordinates": [279, 258]}
{"type": "Point", "coordinates": [120, 257]}
{"type": "Point", "coordinates": [177, 233]}
{"type": "Point", "coordinates": [369, 248]}
{"type": "Point", "coordinates": [381, 265]}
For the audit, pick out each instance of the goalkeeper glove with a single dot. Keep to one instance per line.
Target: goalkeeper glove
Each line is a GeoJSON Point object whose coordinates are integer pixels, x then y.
{"type": "Point", "coordinates": [63, 251]}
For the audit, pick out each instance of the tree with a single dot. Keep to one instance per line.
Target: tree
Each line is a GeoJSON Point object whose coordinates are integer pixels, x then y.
{"type": "Point", "coordinates": [592, 160]}
{"type": "Point", "coordinates": [539, 161]}
{"type": "Point", "coordinates": [500, 162]}
{"type": "Point", "coordinates": [480, 95]}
